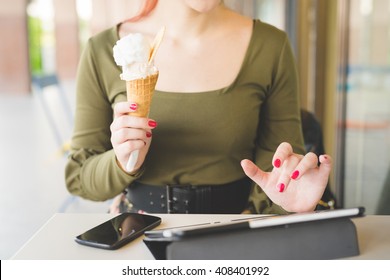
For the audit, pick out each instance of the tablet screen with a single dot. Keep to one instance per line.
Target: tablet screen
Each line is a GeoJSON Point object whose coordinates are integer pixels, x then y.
{"type": "Point", "coordinates": [252, 223]}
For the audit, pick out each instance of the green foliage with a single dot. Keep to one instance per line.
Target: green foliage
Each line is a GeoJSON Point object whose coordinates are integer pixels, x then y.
{"type": "Point", "coordinates": [35, 44]}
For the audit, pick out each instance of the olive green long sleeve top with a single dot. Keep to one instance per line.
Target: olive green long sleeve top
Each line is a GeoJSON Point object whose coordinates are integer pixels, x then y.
{"type": "Point", "coordinates": [202, 136]}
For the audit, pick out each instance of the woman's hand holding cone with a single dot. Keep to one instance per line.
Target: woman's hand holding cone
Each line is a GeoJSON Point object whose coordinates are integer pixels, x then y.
{"type": "Point", "coordinates": [130, 133]}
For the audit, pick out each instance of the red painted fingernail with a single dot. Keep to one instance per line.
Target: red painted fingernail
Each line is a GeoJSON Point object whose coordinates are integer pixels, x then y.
{"type": "Point", "coordinates": [152, 123]}
{"type": "Point", "coordinates": [281, 187]}
{"type": "Point", "coordinates": [148, 134]}
{"type": "Point", "coordinates": [133, 106]}
{"type": "Point", "coordinates": [277, 163]}
{"type": "Point", "coordinates": [295, 174]}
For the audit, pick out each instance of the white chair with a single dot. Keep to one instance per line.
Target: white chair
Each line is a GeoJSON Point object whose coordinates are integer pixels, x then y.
{"type": "Point", "coordinates": [57, 109]}
{"type": "Point", "coordinates": [58, 112]}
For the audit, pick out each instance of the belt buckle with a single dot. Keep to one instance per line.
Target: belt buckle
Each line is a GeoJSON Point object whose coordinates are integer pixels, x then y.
{"type": "Point", "coordinates": [172, 199]}
{"type": "Point", "coordinates": [169, 197]}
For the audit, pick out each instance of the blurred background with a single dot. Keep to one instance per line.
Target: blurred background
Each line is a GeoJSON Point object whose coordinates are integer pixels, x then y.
{"type": "Point", "coordinates": [342, 50]}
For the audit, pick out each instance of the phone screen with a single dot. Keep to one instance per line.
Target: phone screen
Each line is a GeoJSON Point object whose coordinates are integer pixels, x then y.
{"type": "Point", "coordinates": [118, 231]}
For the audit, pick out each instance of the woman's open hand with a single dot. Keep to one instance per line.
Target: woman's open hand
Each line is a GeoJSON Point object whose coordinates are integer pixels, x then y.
{"type": "Point", "coordinates": [130, 133]}
{"type": "Point", "coordinates": [296, 182]}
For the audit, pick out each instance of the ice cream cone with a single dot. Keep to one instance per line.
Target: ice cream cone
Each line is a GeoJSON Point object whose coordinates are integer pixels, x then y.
{"type": "Point", "coordinates": [136, 56]}
{"type": "Point", "coordinates": [140, 91]}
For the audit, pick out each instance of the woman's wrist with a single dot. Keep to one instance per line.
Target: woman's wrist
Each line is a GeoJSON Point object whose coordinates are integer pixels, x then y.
{"type": "Point", "coordinates": [136, 173]}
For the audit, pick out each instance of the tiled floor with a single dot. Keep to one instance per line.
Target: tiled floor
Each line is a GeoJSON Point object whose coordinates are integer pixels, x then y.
{"type": "Point", "coordinates": [31, 174]}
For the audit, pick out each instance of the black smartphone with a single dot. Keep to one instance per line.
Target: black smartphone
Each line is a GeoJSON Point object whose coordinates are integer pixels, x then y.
{"type": "Point", "coordinates": [118, 231]}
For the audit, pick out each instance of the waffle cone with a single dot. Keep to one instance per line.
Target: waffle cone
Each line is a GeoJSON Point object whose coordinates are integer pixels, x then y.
{"type": "Point", "coordinates": [141, 91]}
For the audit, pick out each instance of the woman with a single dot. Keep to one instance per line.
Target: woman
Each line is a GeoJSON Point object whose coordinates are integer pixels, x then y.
{"type": "Point", "coordinates": [227, 91]}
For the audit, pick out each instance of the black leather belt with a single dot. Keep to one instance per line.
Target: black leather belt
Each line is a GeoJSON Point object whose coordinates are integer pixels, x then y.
{"type": "Point", "coordinates": [230, 198]}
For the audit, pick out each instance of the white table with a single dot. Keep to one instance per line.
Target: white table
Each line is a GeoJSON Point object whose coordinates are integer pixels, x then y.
{"type": "Point", "coordinates": [55, 240]}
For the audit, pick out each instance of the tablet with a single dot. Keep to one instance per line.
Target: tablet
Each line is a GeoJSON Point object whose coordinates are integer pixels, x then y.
{"type": "Point", "coordinates": [253, 223]}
